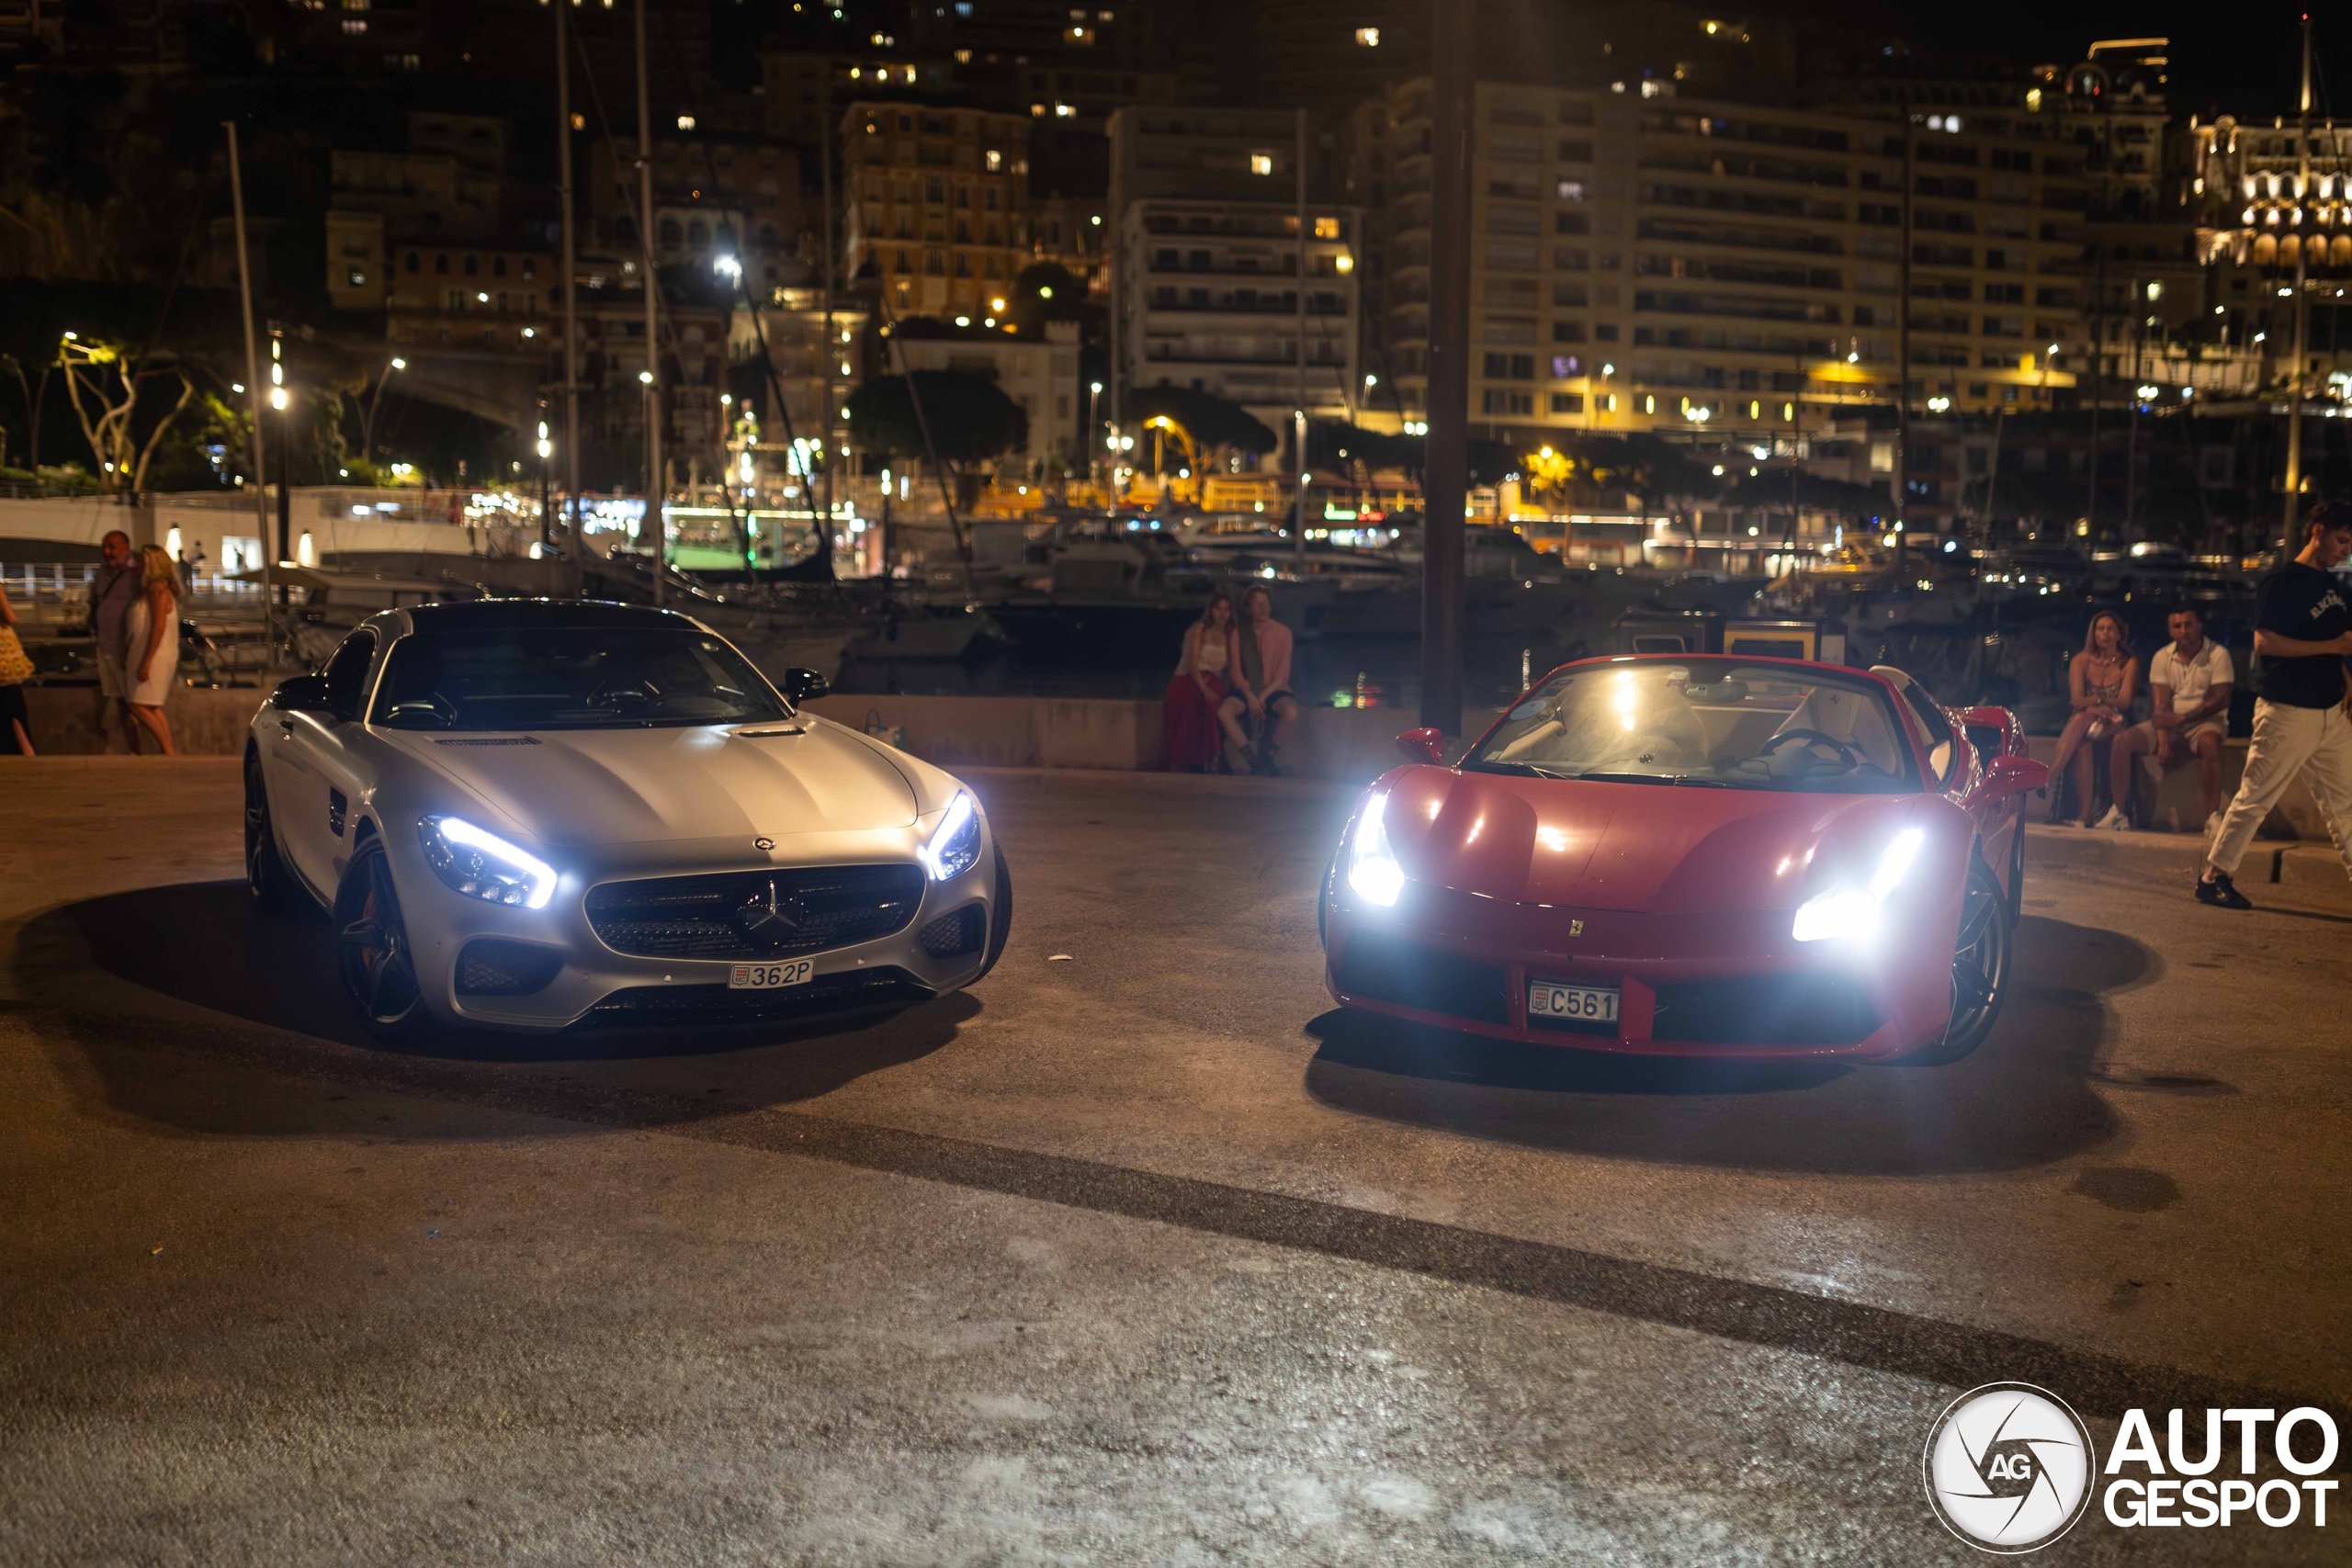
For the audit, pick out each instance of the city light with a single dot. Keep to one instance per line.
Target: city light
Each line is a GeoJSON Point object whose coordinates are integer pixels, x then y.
{"type": "Point", "coordinates": [646, 377]}
{"type": "Point", "coordinates": [397, 364]}
{"type": "Point", "coordinates": [277, 399]}
{"type": "Point", "coordinates": [727, 267]}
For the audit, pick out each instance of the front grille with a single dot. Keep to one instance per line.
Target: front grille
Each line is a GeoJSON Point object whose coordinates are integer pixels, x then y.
{"type": "Point", "coordinates": [1765, 1009]}
{"type": "Point", "coordinates": [491, 967]}
{"type": "Point", "coordinates": [950, 935]}
{"type": "Point", "coordinates": [721, 915]}
{"type": "Point", "coordinates": [1389, 969]}
{"type": "Point", "coordinates": [854, 991]}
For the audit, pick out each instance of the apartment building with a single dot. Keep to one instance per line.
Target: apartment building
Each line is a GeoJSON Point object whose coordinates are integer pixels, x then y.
{"type": "Point", "coordinates": [936, 201]}
{"type": "Point", "coordinates": [1655, 262]}
{"type": "Point", "coordinates": [715, 196]}
{"type": "Point", "coordinates": [813, 354]}
{"type": "Point", "coordinates": [1206, 272]}
{"type": "Point", "coordinates": [1039, 375]}
{"type": "Point", "coordinates": [465, 297]}
{"type": "Point", "coordinates": [2260, 204]}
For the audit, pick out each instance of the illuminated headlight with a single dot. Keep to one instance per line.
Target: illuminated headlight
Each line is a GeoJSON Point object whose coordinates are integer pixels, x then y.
{"type": "Point", "coordinates": [1856, 913]}
{"type": "Point", "coordinates": [954, 844]}
{"type": "Point", "coordinates": [483, 866]}
{"type": "Point", "coordinates": [1373, 872]}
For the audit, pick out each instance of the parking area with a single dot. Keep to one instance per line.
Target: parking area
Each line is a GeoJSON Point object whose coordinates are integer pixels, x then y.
{"type": "Point", "coordinates": [1138, 1252]}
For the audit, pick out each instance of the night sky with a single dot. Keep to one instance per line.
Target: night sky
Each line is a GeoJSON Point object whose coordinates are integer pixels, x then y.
{"type": "Point", "coordinates": [2240, 57]}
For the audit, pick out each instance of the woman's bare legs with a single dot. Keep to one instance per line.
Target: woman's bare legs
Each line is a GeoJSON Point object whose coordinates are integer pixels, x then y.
{"type": "Point", "coordinates": [24, 741]}
{"type": "Point", "coordinates": [2070, 744]}
{"type": "Point", "coordinates": [153, 721]}
{"type": "Point", "coordinates": [2086, 780]}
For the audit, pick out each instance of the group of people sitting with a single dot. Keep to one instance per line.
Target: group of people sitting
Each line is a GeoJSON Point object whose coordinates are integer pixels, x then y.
{"type": "Point", "coordinates": [2189, 684]}
{"type": "Point", "coordinates": [1229, 707]}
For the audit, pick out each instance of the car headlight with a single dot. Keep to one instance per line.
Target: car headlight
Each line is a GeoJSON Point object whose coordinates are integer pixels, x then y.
{"type": "Point", "coordinates": [483, 866]}
{"type": "Point", "coordinates": [1851, 913]}
{"type": "Point", "coordinates": [954, 844]}
{"type": "Point", "coordinates": [1373, 871]}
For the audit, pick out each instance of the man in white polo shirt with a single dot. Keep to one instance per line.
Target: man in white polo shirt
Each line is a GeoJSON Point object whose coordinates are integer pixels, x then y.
{"type": "Point", "coordinates": [2191, 679]}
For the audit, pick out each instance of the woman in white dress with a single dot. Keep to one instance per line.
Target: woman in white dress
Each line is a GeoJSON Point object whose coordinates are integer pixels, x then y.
{"type": "Point", "coordinates": [150, 653]}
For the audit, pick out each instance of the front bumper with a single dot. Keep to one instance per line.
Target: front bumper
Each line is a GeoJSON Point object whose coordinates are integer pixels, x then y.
{"type": "Point", "coordinates": [594, 985]}
{"type": "Point", "coordinates": [1693, 985]}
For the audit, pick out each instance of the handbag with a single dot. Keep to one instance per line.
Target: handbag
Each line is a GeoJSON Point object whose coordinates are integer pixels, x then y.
{"type": "Point", "coordinates": [888, 734]}
{"type": "Point", "coordinates": [15, 668]}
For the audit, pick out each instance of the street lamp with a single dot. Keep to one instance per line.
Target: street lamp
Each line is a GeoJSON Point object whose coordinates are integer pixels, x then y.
{"type": "Point", "coordinates": [727, 267]}
{"type": "Point", "coordinates": [367, 424]}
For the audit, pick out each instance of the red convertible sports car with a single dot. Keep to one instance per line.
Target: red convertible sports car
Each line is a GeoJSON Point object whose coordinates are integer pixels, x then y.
{"type": "Point", "coordinates": [1699, 855]}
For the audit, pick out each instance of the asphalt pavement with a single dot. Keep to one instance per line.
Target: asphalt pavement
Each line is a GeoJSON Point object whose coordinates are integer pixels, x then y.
{"type": "Point", "coordinates": [1137, 1253]}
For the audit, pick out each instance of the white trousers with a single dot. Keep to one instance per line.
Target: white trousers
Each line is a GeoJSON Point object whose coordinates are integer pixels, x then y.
{"type": "Point", "coordinates": [2315, 742]}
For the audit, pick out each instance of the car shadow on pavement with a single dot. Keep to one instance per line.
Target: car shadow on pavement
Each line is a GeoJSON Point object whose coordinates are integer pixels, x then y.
{"type": "Point", "coordinates": [203, 944]}
{"type": "Point", "coordinates": [2024, 1098]}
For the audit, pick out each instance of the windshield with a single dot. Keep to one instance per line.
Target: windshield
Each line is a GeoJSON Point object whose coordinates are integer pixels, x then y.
{"type": "Point", "coordinates": [569, 678]}
{"type": "Point", "coordinates": [1714, 723]}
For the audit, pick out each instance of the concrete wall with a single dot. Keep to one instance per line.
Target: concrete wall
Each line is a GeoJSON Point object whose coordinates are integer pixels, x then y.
{"type": "Point", "coordinates": [65, 720]}
{"type": "Point", "coordinates": [1044, 732]}
{"type": "Point", "coordinates": [989, 732]}
{"type": "Point", "coordinates": [2178, 799]}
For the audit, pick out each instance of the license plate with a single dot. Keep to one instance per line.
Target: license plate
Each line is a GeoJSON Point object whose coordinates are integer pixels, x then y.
{"type": "Point", "coordinates": [1584, 1004]}
{"type": "Point", "coordinates": [767, 976]}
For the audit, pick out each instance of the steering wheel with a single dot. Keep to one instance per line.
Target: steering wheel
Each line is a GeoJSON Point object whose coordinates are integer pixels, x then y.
{"type": "Point", "coordinates": [1846, 755]}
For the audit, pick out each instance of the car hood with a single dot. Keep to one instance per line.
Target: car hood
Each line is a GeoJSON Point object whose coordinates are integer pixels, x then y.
{"type": "Point", "coordinates": [1655, 848]}
{"type": "Point", "coordinates": [570, 787]}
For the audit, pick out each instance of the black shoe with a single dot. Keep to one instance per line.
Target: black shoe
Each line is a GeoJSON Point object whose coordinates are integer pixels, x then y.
{"type": "Point", "coordinates": [2221, 892]}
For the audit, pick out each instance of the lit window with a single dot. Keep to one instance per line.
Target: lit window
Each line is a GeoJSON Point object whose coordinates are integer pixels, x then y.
{"type": "Point", "coordinates": [1368, 37]}
{"type": "Point", "coordinates": [686, 123]}
{"type": "Point", "coordinates": [1262, 163]}
{"type": "Point", "coordinates": [995, 160]}
{"type": "Point", "coordinates": [353, 26]}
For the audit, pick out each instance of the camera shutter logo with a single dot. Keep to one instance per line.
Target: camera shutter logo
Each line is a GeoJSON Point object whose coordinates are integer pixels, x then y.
{"type": "Point", "coordinates": [2008, 1467]}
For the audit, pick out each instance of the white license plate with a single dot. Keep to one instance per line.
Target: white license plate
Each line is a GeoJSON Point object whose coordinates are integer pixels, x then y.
{"type": "Point", "coordinates": [767, 976]}
{"type": "Point", "coordinates": [1585, 1004]}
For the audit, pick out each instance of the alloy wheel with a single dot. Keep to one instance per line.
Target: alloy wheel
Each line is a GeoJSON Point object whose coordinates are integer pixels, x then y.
{"type": "Point", "coordinates": [372, 953]}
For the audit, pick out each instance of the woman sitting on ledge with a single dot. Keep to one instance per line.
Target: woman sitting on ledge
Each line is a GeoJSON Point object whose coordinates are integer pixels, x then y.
{"type": "Point", "coordinates": [1188, 728]}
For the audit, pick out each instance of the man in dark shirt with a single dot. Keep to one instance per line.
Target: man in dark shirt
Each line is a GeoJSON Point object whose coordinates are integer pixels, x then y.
{"type": "Point", "coordinates": [2302, 720]}
{"type": "Point", "coordinates": [111, 596]}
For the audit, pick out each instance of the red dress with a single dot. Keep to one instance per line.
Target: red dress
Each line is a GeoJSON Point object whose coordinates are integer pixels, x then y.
{"type": "Point", "coordinates": [1188, 727]}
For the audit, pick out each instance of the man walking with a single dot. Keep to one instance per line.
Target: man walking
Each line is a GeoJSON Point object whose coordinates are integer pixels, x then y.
{"type": "Point", "coordinates": [2191, 680]}
{"type": "Point", "coordinates": [2302, 632]}
{"type": "Point", "coordinates": [111, 596]}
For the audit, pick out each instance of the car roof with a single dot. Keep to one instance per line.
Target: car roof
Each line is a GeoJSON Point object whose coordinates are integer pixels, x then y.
{"type": "Point", "coordinates": [504, 614]}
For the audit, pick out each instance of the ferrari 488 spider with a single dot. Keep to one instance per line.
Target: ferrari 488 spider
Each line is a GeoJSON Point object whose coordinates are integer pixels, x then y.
{"type": "Point", "coordinates": [1699, 855]}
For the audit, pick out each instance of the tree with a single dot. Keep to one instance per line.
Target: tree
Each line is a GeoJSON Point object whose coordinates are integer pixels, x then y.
{"type": "Point", "coordinates": [114, 375]}
{"type": "Point", "coordinates": [1216, 428]}
{"type": "Point", "coordinates": [967, 418]}
{"type": "Point", "coordinates": [1601, 470]}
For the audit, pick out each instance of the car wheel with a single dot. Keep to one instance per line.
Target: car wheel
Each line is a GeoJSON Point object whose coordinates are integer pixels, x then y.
{"type": "Point", "coordinates": [371, 947]}
{"type": "Point", "coordinates": [2016, 871]}
{"type": "Point", "coordinates": [1323, 891]}
{"type": "Point", "coordinates": [1001, 920]}
{"type": "Point", "coordinates": [1980, 969]}
{"type": "Point", "coordinates": [265, 876]}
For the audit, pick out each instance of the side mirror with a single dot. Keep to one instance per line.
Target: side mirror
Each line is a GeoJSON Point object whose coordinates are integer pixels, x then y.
{"type": "Point", "coordinates": [2015, 775]}
{"type": "Point", "coordinates": [1423, 746]}
{"type": "Point", "coordinates": [802, 685]}
{"type": "Point", "coordinates": [301, 694]}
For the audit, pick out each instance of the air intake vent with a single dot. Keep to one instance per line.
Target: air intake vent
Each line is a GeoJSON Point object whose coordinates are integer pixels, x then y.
{"type": "Point", "coordinates": [494, 968]}
{"type": "Point", "coordinates": [950, 935]}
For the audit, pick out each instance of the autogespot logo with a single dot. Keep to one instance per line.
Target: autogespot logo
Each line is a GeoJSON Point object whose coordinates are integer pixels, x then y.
{"type": "Point", "coordinates": [2008, 1467]}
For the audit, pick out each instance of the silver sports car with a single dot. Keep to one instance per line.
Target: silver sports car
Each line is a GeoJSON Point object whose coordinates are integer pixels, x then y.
{"type": "Point", "coordinates": [533, 815]}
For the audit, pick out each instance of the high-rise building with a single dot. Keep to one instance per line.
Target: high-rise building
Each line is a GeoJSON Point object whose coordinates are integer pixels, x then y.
{"type": "Point", "coordinates": [1207, 285]}
{"type": "Point", "coordinates": [935, 203]}
{"type": "Point", "coordinates": [1663, 262]}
